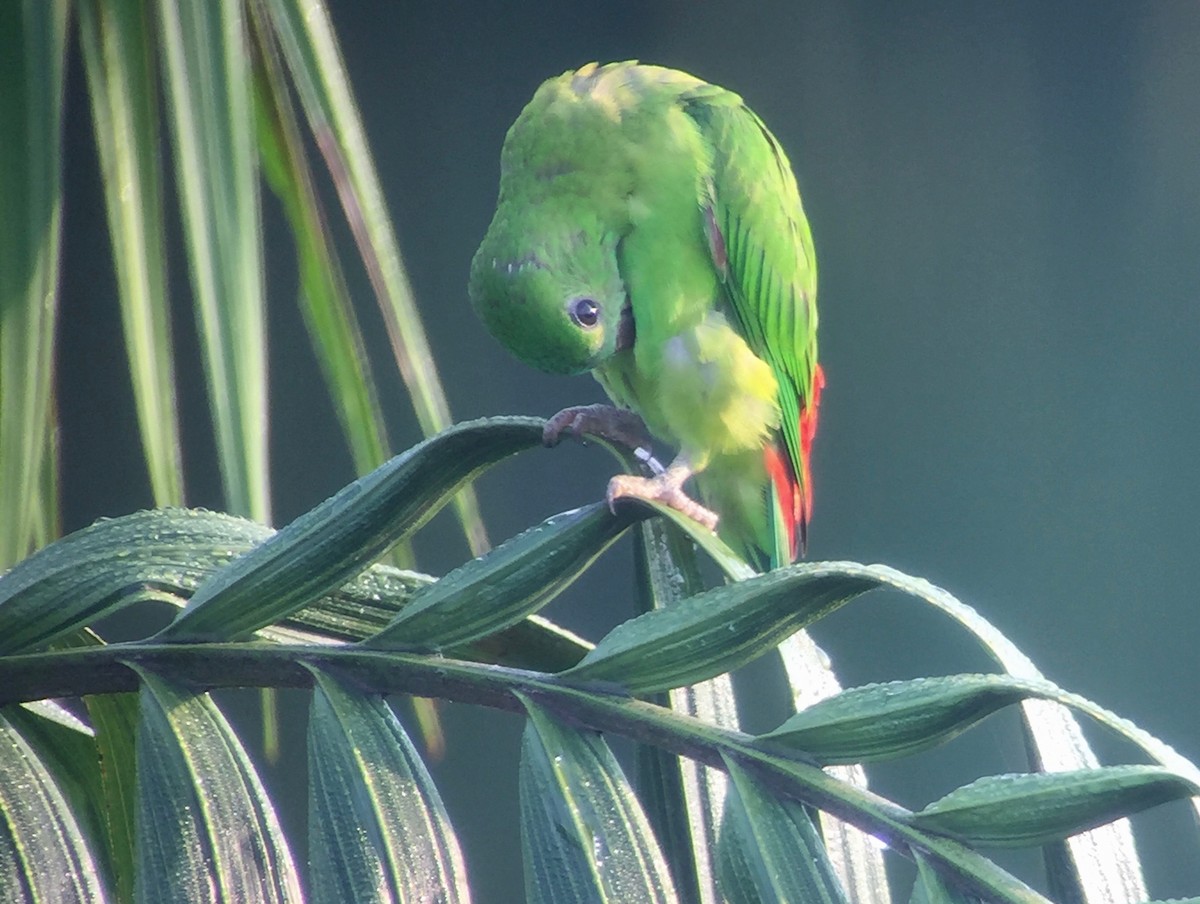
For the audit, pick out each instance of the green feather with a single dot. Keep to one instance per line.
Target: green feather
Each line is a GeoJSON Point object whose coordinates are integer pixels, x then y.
{"type": "Point", "coordinates": [772, 264]}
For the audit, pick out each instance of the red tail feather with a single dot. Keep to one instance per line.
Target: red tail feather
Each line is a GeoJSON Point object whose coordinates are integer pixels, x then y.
{"type": "Point", "coordinates": [787, 490]}
{"type": "Point", "coordinates": [796, 493]}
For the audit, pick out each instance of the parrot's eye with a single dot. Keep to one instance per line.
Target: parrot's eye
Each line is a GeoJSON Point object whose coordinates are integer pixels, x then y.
{"type": "Point", "coordinates": [585, 312]}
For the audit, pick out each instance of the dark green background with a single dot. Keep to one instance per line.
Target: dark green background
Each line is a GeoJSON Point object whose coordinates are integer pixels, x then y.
{"type": "Point", "coordinates": [1006, 204]}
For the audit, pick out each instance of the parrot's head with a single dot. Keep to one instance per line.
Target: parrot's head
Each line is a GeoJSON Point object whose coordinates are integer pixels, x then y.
{"type": "Point", "coordinates": [554, 297]}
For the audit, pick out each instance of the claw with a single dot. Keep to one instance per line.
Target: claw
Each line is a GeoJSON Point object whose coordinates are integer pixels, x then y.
{"type": "Point", "coordinates": [625, 427]}
{"type": "Point", "coordinates": [665, 488]}
{"type": "Point", "coordinates": [604, 421]}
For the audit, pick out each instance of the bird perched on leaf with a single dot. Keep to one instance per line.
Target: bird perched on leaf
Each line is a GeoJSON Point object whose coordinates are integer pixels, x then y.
{"type": "Point", "coordinates": [649, 229]}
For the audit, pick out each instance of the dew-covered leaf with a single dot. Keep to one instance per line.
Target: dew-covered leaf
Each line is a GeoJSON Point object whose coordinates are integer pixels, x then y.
{"type": "Point", "coordinates": [1035, 808]}
{"type": "Point", "coordinates": [721, 629]}
{"type": "Point", "coordinates": [206, 831]}
{"type": "Point", "coordinates": [584, 836]}
{"type": "Point", "coordinates": [1105, 862]}
{"type": "Point", "coordinates": [683, 798]}
{"type": "Point", "coordinates": [770, 850]}
{"type": "Point", "coordinates": [45, 852]}
{"type": "Point", "coordinates": [856, 856]}
{"type": "Point", "coordinates": [328, 545]}
{"type": "Point", "coordinates": [377, 828]}
{"type": "Point", "coordinates": [502, 587]}
{"type": "Point", "coordinates": [114, 717]}
{"type": "Point", "coordinates": [883, 721]}
{"type": "Point", "coordinates": [112, 563]}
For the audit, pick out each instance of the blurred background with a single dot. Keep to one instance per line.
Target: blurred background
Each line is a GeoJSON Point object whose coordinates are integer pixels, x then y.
{"type": "Point", "coordinates": [1006, 205]}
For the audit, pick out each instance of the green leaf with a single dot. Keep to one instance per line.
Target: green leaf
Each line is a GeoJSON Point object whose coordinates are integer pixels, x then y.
{"type": "Point", "coordinates": [328, 545]}
{"type": "Point", "coordinates": [884, 721]}
{"type": "Point", "coordinates": [1036, 808]}
{"type": "Point", "coordinates": [584, 837]}
{"type": "Point", "coordinates": [206, 831]}
{"type": "Point", "coordinates": [115, 719]}
{"type": "Point", "coordinates": [204, 47]}
{"type": "Point", "coordinates": [310, 48]}
{"type": "Point", "coordinates": [770, 850]}
{"type": "Point", "coordinates": [714, 547]}
{"type": "Point", "coordinates": [44, 852]}
{"type": "Point", "coordinates": [109, 766]}
{"type": "Point", "coordinates": [721, 629]}
{"type": "Point", "coordinates": [32, 43]}
{"type": "Point", "coordinates": [211, 665]}
{"type": "Point", "coordinates": [1106, 861]}
{"type": "Point", "coordinates": [857, 857]}
{"type": "Point", "coordinates": [164, 554]}
{"type": "Point", "coordinates": [683, 798]}
{"type": "Point", "coordinates": [100, 568]}
{"type": "Point", "coordinates": [377, 828]}
{"type": "Point", "coordinates": [68, 750]}
{"type": "Point", "coordinates": [324, 299]}
{"type": "Point", "coordinates": [118, 44]}
{"type": "Point", "coordinates": [502, 587]}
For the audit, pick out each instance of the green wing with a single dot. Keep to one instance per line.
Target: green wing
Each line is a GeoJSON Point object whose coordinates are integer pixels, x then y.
{"type": "Point", "coordinates": [757, 225]}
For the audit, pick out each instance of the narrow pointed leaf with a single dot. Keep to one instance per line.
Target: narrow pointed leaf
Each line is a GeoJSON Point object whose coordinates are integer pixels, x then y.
{"type": "Point", "coordinates": [377, 828]}
{"type": "Point", "coordinates": [204, 47]}
{"type": "Point", "coordinates": [721, 629]}
{"type": "Point", "coordinates": [240, 665]}
{"type": "Point", "coordinates": [164, 554]}
{"type": "Point", "coordinates": [328, 545]}
{"type": "Point", "coordinates": [1035, 808]}
{"type": "Point", "coordinates": [683, 798]}
{"type": "Point", "coordinates": [111, 773]}
{"type": "Point", "coordinates": [96, 570]}
{"type": "Point", "coordinates": [44, 853]}
{"type": "Point", "coordinates": [32, 44]}
{"type": "Point", "coordinates": [503, 586]}
{"type": "Point", "coordinates": [735, 568]}
{"type": "Point", "coordinates": [856, 856]}
{"type": "Point", "coordinates": [310, 47]}
{"type": "Point", "coordinates": [324, 299]}
{"type": "Point", "coordinates": [67, 749]}
{"type": "Point", "coordinates": [584, 837]}
{"type": "Point", "coordinates": [883, 721]}
{"type": "Point", "coordinates": [117, 46]}
{"type": "Point", "coordinates": [1105, 860]}
{"type": "Point", "coordinates": [115, 719]}
{"type": "Point", "coordinates": [770, 850]}
{"type": "Point", "coordinates": [206, 830]}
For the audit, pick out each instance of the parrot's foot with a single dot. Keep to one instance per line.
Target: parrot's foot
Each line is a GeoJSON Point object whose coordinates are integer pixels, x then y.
{"type": "Point", "coordinates": [604, 421]}
{"type": "Point", "coordinates": [666, 488]}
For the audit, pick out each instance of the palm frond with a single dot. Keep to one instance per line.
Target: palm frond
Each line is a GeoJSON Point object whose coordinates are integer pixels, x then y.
{"type": "Point", "coordinates": [587, 830]}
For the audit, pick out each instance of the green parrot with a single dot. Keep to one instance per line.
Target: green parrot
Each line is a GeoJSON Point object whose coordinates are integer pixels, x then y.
{"type": "Point", "coordinates": [649, 229]}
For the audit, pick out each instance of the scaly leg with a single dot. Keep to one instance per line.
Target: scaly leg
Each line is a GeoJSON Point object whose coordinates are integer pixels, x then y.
{"type": "Point", "coordinates": [667, 488]}
{"type": "Point", "coordinates": [623, 426]}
